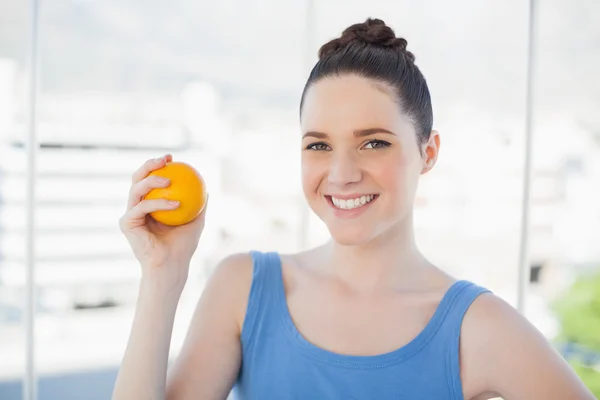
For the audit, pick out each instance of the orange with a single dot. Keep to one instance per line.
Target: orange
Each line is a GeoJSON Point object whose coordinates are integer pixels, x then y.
{"type": "Point", "coordinates": [186, 186]}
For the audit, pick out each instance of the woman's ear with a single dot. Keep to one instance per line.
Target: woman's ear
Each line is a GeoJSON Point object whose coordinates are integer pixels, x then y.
{"type": "Point", "coordinates": [431, 151]}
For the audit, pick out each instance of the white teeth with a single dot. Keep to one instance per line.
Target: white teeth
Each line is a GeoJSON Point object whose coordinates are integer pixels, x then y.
{"type": "Point", "coordinates": [352, 203]}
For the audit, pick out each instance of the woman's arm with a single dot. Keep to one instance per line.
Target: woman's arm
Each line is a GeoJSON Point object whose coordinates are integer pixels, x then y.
{"type": "Point", "coordinates": [143, 369]}
{"type": "Point", "coordinates": [506, 355]}
{"type": "Point", "coordinates": [210, 358]}
{"type": "Point", "coordinates": [211, 355]}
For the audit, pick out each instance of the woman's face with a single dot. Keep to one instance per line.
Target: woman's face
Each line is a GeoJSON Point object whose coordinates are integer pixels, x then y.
{"type": "Point", "coordinates": [360, 158]}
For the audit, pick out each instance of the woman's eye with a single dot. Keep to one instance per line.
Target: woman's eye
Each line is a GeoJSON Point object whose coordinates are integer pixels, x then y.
{"type": "Point", "coordinates": [376, 144]}
{"type": "Point", "coordinates": [317, 146]}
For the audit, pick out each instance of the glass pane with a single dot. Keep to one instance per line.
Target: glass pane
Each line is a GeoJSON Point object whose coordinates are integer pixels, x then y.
{"type": "Point", "coordinates": [14, 59]}
{"type": "Point", "coordinates": [123, 81]}
{"type": "Point", "coordinates": [567, 137]}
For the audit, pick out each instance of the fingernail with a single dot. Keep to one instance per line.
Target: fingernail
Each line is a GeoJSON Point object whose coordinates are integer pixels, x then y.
{"type": "Point", "coordinates": [163, 181]}
{"type": "Point", "coordinates": [173, 203]}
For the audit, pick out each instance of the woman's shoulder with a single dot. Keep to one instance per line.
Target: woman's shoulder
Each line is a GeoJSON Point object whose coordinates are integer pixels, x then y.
{"type": "Point", "coordinates": [236, 266]}
{"type": "Point", "coordinates": [489, 315]}
{"type": "Point", "coordinates": [234, 275]}
{"type": "Point", "coordinates": [494, 330]}
{"type": "Point", "coordinates": [489, 310]}
{"type": "Point", "coordinates": [503, 351]}
{"type": "Point", "coordinates": [237, 269]}
{"type": "Point", "coordinates": [229, 282]}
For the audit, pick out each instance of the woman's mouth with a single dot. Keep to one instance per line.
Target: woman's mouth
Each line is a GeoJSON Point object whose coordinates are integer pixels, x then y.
{"type": "Point", "coordinates": [350, 205]}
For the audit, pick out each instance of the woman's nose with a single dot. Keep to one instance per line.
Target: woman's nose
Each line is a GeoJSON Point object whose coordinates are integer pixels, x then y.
{"type": "Point", "coordinates": [344, 170]}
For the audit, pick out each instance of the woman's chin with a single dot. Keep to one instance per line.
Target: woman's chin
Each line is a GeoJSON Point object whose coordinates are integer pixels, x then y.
{"type": "Point", "coordinates": [350, 236]}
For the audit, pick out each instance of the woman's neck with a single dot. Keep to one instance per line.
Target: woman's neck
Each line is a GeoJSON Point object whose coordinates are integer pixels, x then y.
{"type": "Point", "coordinates": [390, 261]}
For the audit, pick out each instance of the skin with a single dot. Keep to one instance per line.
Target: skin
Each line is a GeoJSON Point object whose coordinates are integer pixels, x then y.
{"type": "Point", "coordinates": [371, 262]}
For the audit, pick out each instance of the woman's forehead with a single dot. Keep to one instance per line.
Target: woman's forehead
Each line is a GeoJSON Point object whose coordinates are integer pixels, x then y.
{"type": "Point", "coordinates": [348, 103]}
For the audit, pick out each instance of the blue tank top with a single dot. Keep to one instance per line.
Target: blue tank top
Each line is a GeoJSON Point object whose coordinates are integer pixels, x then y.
{"type": "Point", "coordinates": [279, 363]}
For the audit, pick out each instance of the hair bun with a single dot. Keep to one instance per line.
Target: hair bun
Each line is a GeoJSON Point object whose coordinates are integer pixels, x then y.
{"type": "Point", "coordinates": [372, 32]}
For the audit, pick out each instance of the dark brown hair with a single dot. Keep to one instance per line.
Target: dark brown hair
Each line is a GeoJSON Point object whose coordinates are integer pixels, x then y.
{"type": "Point", "coordinates": [372, 50]}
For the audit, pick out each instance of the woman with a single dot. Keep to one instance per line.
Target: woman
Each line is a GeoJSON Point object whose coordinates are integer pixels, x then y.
{"type": "Point", "coordinates": [365, 316]}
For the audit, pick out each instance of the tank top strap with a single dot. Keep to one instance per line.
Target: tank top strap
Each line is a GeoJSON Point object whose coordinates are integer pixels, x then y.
{"type": "Point", "coordinates": [264, 293]}
{"type": "Point", "coordinates": [457, 302]}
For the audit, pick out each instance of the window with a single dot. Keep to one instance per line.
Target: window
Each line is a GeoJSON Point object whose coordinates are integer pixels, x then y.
{"type": "Point", "coordinates": [218, 84]}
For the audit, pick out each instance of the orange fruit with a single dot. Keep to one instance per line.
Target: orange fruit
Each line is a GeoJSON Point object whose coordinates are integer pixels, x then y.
{"type": "Point", "coordinates": [186, 186]}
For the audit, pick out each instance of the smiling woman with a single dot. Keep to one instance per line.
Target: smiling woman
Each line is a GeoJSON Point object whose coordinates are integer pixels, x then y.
{"type": "Point", "coordinates": [365, 315]}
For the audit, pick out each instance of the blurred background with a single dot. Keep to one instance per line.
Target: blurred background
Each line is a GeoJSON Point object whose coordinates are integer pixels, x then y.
{"type": "Point", "coordinates": [217, 84]}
